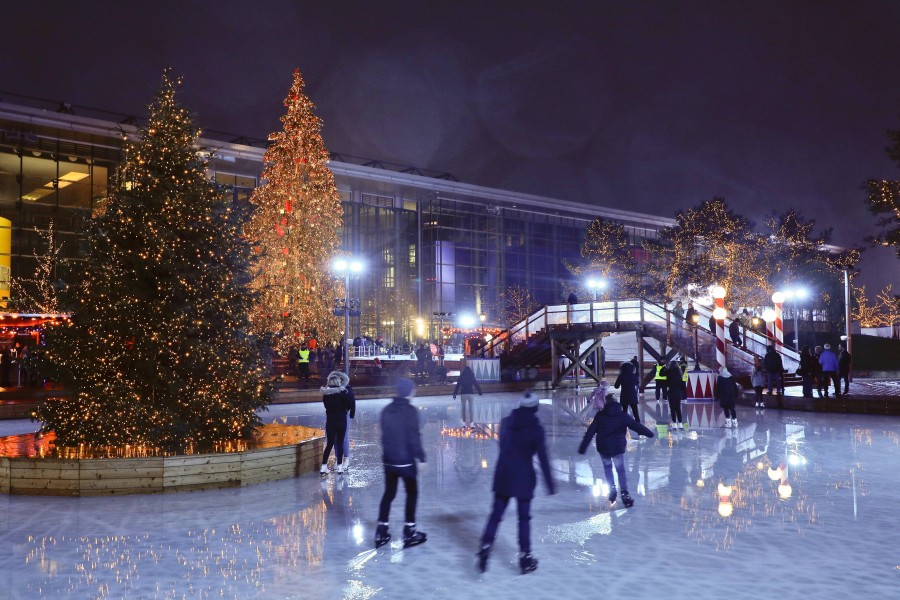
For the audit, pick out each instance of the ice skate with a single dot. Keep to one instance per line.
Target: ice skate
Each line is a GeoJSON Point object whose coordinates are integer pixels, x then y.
{"type": "Point", "coordinates": [734, 422]}
{"type": "Point", "coordinates": [382, 535]}
{"type": "Point", "coordinates": [727, 422]}
{"type": "Point", "coordinates": [627, 500]}
{"type": "Point", "coordinates": [527, 563]}
{"type": "Point", "coordinates": [612, 495]}
{"type": "Point", "coordinates": [339, 469]}
{"type": "Point", "coordinates": [411, 537]}
{"type": "Point", "coordinates": [346, 464]}
{"type": "Point", "coordinates": [324, 470]}
{"type": "Point", "coordinates": [483, 554]}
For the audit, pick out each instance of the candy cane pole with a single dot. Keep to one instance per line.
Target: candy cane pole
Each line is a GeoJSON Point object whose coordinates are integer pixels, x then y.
{"type": "Point", "coordinates": [778, 300]}
{"type": "Point", "coordinates": [719, 316]}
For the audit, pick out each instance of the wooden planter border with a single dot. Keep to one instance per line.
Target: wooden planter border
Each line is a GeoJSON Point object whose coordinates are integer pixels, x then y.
{"type": "Point", "coordinates": [159, 475]}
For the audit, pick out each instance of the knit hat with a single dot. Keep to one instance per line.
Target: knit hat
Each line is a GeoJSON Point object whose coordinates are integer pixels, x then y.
{"type": "Point", "coordinates": [528, 400]}
{"type": "Point", "coordinates": [828, 346]}
{"type": "Point", "coordinates": [723, 372]}
{"type": "Point", "coordinates": [405, 387]}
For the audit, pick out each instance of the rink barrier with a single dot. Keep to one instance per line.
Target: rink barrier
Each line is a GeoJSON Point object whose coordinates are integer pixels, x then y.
{"type": "Point", "coordinates": [158, 475]}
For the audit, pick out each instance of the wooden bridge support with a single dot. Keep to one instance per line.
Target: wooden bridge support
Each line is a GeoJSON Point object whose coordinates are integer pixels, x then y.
{"type": "Point", "coordinates": [568, 347]}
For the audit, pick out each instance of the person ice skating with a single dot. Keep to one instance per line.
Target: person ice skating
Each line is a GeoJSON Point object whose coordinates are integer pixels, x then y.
{"type": "Point", "coordinates": [628, 381]}
{"type": "Point", "coordinates": [609, 426]}
{"type": "Point", "coordinates": [758, 381]}
{"type": "Point", "coordinates": [339, 404]}
{"type": "Point", "coordinates": [466, 386]}
{"type": "Point", "coordinates": [521, 437]}
{"type": "Point", "coordinates": [726, 394]}
{"type": "Point", "coordinates": [774, 370]}
{"type": "Point", "coordinates": [350, 415]}
{"type": "Point", "coordinates": [660, 379]}
{"type": "Point", "coordinates": [401, 444]}
{"type": "Point", "coordinates": [845, 361]}
{"type": "Point", "coordinates": [809, 366]}
{"type": "Point", "coordinates": [676, 394]}
{"type": "Point", "coordinates": [830, 367]}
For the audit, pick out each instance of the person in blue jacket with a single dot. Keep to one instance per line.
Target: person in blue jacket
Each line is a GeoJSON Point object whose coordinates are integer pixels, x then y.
{"type": "Point", "coordinates": [521, 437]}
{"type": "Point", "coordinates": [609, 427]}
{"type": "Point", "coordinates": [401, 444]}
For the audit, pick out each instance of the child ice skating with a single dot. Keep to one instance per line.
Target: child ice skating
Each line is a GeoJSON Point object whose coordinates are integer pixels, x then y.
{"type": "Point", "coordinates": [609, 426]}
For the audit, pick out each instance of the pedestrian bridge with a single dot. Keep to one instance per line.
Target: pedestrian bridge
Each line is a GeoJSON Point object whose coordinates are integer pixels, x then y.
{"type": "Point", "coordinates": [569, 336]}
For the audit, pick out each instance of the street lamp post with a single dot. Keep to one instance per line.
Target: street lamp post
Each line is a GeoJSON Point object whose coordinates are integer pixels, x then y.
{"type": "Point", "coordinates": [483, 318]}
{"type": "Point", "coordinates": [346, 266]}
{"type": "Point", "coordinates": [795, 295]}
{"type": "Point", "coordinates": [595, 285]}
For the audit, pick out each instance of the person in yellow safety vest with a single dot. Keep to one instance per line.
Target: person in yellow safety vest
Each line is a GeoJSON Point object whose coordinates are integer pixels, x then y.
{"type": "Point", "coordinates": [661, 385]}
{"type": "Point", "coordinates": [684, 374]}
{"type": "Point", "coordinates": [303, 362]}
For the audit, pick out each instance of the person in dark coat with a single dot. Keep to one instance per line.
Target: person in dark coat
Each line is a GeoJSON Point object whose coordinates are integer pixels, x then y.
{"type": "Point", "coordinates": [401, 444]}
{"type": "Point", "coordinates": [726, 394]}
{"type": "Point", "coordinates": [774, 370]}
{"type": "Point", "coordinates": [521, 437]}
{"type": "Point", "coordinates": [629, 384]}
{"type": "Point", "coordinates": [466, 385]}
{"type": "Point", "coordinates": [845, 361]}
{"type": "Point", "coordinates": [808, 368]}
{"type": "Point", "coordinates": [734, 331]}
{"type": "Point", "coordinates": [609, 426]}
{"type": "Point", "coordinates": [338, 401]}
{"type": "Point", "coordinates": [676, 394]}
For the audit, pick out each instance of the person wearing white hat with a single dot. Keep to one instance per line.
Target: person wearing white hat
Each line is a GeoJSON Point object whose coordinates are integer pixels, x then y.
{"type": "Point", "coordinates": [521, 437]}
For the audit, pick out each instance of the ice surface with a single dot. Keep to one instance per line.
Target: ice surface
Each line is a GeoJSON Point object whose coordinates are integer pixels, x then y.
{"type": "Point", "coordinates": [834, 534]}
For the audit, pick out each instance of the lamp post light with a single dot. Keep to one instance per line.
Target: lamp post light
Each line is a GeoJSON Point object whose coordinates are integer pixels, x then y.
{"type": "Point", "coordinates": [696, 319]}
{"type": "Point", "coordinates": [596, 284]}
{"type": "Point", "coordinates": [346, 266]}
{"type": "Point", "coordinates": [483, 318]}
{"type": "Point", "coordinates": [796, 295]}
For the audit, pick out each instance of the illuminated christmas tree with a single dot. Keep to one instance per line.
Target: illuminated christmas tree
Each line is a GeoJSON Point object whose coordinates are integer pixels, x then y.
{"type": "Point", "coordinates": [158, 351]}
{"type": "Point", "coordinates": [296, 222]}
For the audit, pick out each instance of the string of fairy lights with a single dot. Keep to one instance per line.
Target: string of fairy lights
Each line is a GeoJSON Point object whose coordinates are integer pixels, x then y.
{"type": "Point", "coordinates": [297, 217]}
{"type": "Point", "coordinates": [158, 351]}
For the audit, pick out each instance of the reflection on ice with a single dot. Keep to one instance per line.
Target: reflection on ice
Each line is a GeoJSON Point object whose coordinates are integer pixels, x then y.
{"type": "Point", "coordinates": [778, 495]}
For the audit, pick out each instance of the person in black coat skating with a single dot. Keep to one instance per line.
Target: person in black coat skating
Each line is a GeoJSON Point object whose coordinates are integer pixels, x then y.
{"type": "Point", "coordinates": [676, 394]}
{"type": "Point", "coordinates": [339, 401]}
{"type": "Point", "coordinates": [609, 426]}
{"type": "Point", "coordinates": [401, 444]}
{"type": "Point", "coordinates": [521, 437]}
{"type": "Point", "coordinates": [628, 380]}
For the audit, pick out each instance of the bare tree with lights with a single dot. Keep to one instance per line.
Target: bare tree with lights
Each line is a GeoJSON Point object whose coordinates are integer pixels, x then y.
{"type": "Point", "coordinates": [296, 223]}
{"type": "Point", "coordinates": [158, 352]}
{"type": "Point", "coordinates": [38, 294]}
{"type": "Point", "coordinates": [608, 255]}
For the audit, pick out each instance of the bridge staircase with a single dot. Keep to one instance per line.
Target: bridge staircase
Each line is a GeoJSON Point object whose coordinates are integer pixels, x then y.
{"type": "Point", "coordinates": [567, 336]}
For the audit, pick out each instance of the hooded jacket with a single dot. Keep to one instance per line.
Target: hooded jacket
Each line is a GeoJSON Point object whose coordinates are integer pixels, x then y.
{"type": "Point", "coordinates": [628, 380]}
{"type": "Point", "coordinates": [338, 396]}
{"type": "Point", "coordinates": [401, 441]}
{"type": "Point", "coordinates": [521, 437]}
{"type": "Point", "coordinates": [467, 383]}
{"type": "Point", "coordinates": [609, 426]}
{"type": "Point", "coordinates": [726, 390]}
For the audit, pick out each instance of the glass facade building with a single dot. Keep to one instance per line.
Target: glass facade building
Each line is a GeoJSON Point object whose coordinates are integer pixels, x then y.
{"type": "Point", "coordinates": [431, 245]}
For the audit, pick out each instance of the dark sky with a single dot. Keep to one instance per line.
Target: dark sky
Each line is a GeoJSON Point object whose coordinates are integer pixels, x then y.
{"type": "Point", "coordinates": [646, 106]}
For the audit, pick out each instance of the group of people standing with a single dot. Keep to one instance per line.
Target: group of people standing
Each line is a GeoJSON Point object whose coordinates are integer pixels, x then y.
{"type": "Point", "coordinates": [822, 366]}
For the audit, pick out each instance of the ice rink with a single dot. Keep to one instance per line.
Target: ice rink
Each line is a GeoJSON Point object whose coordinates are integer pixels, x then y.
{"type": "Point", "coordinates": [788, 505]}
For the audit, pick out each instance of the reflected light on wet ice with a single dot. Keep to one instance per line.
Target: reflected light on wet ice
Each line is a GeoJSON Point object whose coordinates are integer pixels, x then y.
{"type": "Point", "coordinates": [767, 498]}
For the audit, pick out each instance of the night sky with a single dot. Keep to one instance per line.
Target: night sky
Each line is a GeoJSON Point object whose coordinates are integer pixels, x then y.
{"type": "Point", "coordinates": [646, 106]}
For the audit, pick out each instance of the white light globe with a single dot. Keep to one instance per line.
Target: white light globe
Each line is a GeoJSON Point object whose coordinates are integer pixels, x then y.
{"type": "Point", "coordinates": [777, 297]}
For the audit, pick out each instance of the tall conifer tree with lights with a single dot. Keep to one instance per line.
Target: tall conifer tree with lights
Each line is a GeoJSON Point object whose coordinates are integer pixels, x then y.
{"type": "Point", "coordinates": [296, 222]}
{"type": "Point", "coordinates": [158, 351]}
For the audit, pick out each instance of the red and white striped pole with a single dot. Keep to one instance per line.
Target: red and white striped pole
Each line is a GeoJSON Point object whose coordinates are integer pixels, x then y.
{"type": "Point", "coordinates": [778, 300]}
{"type": "Point", "coordinates": [719, 316]}
{"type": "Point", "coordinates": [769, 317]}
